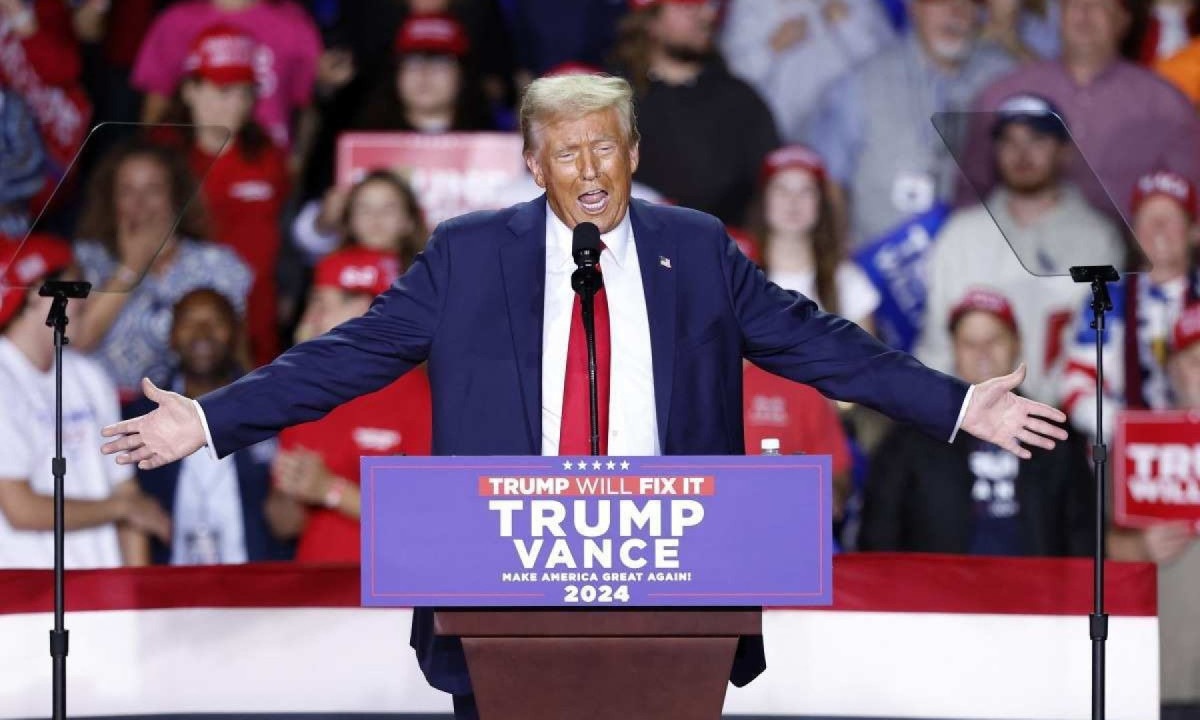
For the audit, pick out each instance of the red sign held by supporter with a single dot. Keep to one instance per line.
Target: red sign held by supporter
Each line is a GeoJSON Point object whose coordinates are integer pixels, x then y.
{"type": "Point", "coordinates": [451, 173]}
{"type": "Point", "coordinates": [1156, 468]}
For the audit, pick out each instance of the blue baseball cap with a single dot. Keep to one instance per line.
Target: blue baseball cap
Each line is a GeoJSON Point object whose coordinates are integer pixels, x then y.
{"type": "Point", "coordinates": [1034, 111]}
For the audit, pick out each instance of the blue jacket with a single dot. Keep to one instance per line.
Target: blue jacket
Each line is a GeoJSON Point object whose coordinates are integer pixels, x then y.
{"type": "Point", "coordinates": [472, 304]}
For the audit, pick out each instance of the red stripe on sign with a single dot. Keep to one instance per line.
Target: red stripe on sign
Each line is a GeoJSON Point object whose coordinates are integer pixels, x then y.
{"type": "Point", "coordinates": [256, 585]}
{"type": "Point", "coordinates": [865, 582]}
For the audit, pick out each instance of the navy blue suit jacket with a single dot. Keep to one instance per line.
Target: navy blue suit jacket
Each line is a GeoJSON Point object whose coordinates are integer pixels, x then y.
{"type": "Point", "coordinates": [472, 303]}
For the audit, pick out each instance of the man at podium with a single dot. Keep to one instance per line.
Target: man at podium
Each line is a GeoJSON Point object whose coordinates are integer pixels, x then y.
{"type": "Point", "coordinates": [489, 305]}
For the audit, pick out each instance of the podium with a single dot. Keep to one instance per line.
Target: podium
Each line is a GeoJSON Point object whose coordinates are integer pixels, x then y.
{"type": "Point", "coordinates": [600, 587]}
{"type": "Point", "coordinates": [632, 664]}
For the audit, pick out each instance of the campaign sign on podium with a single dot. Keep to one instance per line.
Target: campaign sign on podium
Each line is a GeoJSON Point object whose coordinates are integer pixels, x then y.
{"type": "Point", "coordinates": [599, 531]}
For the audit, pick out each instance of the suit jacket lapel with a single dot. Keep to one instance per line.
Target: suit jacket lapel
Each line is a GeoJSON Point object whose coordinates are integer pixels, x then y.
{"type": "Point", "coordinates": [655, 254]}
{"type": "Point", "coordinates": [523, 270]}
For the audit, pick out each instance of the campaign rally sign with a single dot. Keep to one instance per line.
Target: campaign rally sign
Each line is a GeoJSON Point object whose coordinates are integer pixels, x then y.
{"type": "Point", "coordinates": [1156, 468]}
{"type": "Point", "coordinates": [451, 173]}
{"type": "Point", "coordinates": [895, 263]}
{"type": "Point", "coordinates": [598, 531]}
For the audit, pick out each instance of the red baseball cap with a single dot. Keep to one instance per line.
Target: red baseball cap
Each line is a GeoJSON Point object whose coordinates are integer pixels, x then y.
{"type": "Point", "coordinates": [1166, 183]}
{"type": "Point", "coordinates": [224, 55]}
{"type": "Point", "coordinates": [984, 300]}
{"type": "Point", "coordinates": [636, 5]}
{"type": "Point", "coordinates": [435, 34]}
{"type": "Point", "coordinates": [1187, 328]}
{"type": "Point", "coordinates": [792, 157]}
{"type": "Point", "coordinates": [24, 266]}
{"type": "Point", "coordinates": [357, 270]}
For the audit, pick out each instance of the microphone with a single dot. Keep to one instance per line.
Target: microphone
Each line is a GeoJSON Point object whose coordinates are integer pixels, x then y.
{"type": "Point", "coordinates": [586, 281]}
{"type": "Point", "coordinates": [585, 248]}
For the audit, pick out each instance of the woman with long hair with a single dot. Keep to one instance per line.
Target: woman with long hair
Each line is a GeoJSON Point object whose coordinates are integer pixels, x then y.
{"type": "Point", "coordinates": [379, 213]}
{"type": "Point", "coordinates": [432, 88]}
{"type": "Point", "coordinates": [1145, 306]}
{"type": "Point", "coordinates": [246, 177]}
{"type": "Point", "coordinates": [141, 262]}
{"type": "Point", "coordinates": [802, 245]}
{"type": "Point", "coordinates": [383, 214]}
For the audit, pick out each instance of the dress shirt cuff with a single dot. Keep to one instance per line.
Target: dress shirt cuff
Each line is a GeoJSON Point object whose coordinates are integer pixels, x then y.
{"type": "Point", "coordinates": [962, 414]}
{"type": "Point", "coordinates": [212, 449]}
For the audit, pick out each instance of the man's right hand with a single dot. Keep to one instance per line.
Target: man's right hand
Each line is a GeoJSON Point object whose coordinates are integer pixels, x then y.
{"type": "Point", "coordinates": [170, 432]}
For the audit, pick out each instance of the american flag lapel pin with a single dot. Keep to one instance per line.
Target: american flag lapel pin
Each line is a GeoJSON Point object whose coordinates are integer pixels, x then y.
{"type": "Point", "coordinates": [664, 261]}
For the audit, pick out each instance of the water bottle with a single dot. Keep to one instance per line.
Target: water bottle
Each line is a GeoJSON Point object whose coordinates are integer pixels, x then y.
{"type": "Point", "coordinates": [770, 446]}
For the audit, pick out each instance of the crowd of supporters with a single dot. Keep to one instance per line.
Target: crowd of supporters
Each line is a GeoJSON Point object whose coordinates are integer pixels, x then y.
{"type": "Point", "coordinates": [928, 169]}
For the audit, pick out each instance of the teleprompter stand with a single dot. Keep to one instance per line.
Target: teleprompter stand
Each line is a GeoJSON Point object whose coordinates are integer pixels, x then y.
{"type": "Point", "coordinates": [1098, 276]}
{"type": "Point", "coordinates": [62, 292]}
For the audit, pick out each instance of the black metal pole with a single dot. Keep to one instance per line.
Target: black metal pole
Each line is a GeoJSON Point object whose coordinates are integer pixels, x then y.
{"type": "Point", "coordinates": [588, 306]}
{"type": "Point", "coordinates": [1098, 276]}
{"type": "Point", "coordinates": [61, 291]}
{"type": "Point", "coordinates": [58, 636]}
{"type": "Point", "coordinates": [58, 466]}
{"type": "Point", "coordinates": [1098, 621]}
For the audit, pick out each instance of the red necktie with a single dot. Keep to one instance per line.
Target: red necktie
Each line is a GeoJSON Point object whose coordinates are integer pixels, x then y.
{"type": "Point", "coordinates": [575, 434]}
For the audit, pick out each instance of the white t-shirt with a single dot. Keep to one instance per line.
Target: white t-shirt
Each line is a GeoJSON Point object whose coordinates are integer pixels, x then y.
{"type": "Point", "coordinates": [857, 296]}
{"type": "Point", "coordinates": [27, 446]}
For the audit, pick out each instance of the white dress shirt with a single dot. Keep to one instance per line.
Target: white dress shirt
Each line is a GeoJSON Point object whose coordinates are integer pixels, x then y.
{"type": "Point", "coordinates": [632, 422]}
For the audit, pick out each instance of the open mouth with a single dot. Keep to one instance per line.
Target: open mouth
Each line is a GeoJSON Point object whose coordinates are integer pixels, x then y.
{"type": "Point", "coordinates": [593, 202]}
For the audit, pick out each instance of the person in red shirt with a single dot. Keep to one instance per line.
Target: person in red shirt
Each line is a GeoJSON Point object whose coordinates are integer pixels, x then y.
{"type": "Point", "coordinates": [247, 177]}
{"type": "Point", "coordinates": [316, 471]}
{"type": "Point", "coordinates": [800, 418]}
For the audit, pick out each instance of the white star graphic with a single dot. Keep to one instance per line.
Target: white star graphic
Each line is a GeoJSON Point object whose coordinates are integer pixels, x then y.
{"type": "Point", "coordinates": [595, 464]}
{"type": "Point", "coordinates": [611, 465]}
{"type": "Point", "coordinates": [624, 464]}
{"type": "Point", "coordinates": [582, 465]}
{"type": "Point", "coordinates": [566, 464]}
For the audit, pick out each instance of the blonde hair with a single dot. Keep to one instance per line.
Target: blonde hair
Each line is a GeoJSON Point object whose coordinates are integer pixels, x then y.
{"type": "Point", "coordinates": [569, 97]}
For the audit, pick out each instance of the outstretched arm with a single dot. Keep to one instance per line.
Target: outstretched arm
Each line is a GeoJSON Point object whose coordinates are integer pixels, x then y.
{"type": "Point", "coordinates": [355, 358]}
{"type": "Point", "coordinates": [786, 334]}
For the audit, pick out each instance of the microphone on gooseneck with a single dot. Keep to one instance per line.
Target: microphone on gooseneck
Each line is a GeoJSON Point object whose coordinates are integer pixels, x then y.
{"type": "Point", "coordinates": [585, 248]}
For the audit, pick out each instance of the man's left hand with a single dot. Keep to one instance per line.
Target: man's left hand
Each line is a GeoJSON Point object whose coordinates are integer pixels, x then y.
{"type": "Point", "coordinates": [1000, 416]}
